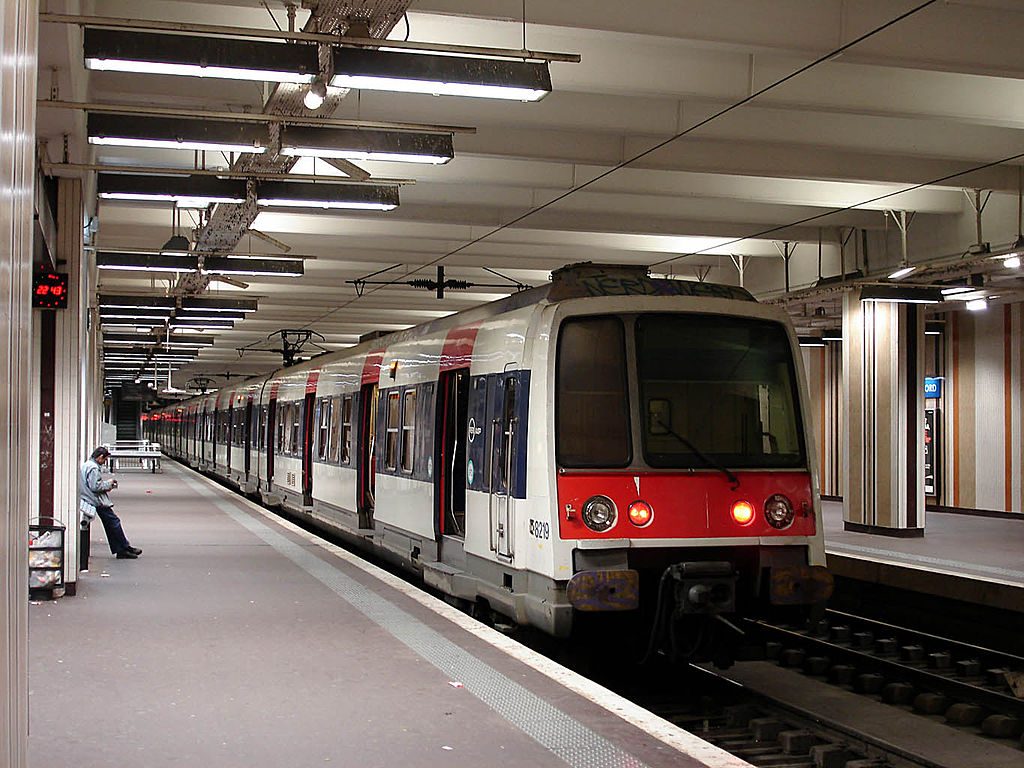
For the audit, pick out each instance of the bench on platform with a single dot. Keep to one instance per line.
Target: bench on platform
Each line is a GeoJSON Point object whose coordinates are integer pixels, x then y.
{"type": "Point", "coordinates": [135, 454]}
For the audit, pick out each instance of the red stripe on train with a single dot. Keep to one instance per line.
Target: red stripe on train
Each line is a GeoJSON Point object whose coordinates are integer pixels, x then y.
{"type": "Point", "coordinates": [311, 379]}
{"type": "Point", "coordinates": [371, 366]}
{"type": "Point", "coordinates": [458, 347]}
{"type": "Point", "coordinates": [696, 505]}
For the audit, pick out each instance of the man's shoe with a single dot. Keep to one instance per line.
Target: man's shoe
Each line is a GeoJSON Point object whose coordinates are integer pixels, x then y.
{"type": "Point", "coordinates": [126, 554]}
{"type": "Point", "coordinates": [136, 550]}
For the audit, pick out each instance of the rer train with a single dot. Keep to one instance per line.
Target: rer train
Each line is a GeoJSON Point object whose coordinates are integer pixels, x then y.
{"type": "Point", "coordinates": [610, 452]}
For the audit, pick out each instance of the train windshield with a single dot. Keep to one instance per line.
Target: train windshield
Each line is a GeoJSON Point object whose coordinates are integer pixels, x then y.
{"type": "Point", "coordinates": [717, 390]}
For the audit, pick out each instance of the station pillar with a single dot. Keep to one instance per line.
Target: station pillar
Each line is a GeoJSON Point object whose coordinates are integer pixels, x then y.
{"type": "Point", "coordinates": [883, 365]}
{"type": "Point", "coordinates": [19, 21]}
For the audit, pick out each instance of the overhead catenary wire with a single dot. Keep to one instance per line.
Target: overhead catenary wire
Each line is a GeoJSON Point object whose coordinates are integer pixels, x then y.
{"type": "Point", "coordinates": [629, 161]}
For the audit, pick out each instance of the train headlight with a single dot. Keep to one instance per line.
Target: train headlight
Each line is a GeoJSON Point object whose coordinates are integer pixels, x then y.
{"type": "Point", "coordinates": [640, 513]}
{"type": "Point", "coordinates": [778, 511]}
{"type": "Point", "coordinates": [743, 512]}
{"type": "Point", "coordinates": [599, 513]}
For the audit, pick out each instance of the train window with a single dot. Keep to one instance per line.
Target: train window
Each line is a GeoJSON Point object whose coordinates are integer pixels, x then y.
{"type": "Point", "coordinates": [592, 405]}
{"type": "Point", "coordinates": [323, 440]}
{"type": "Point", "coordinates": [391, 432]}
{"type": "Point", "coordinates": [282, 426]}
{"type": "Point", "coordinates": [409, 430]}
{"type": "Point", "coordinates": [296, 421]}
{"type": "Point", "coordinates": [717, 389]}
{"type": "Point", "coordinates": [346, 430]}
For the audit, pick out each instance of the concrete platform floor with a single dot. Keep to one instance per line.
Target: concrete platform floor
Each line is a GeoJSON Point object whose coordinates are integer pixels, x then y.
{"type": "Point", "coordinates": [239, 640]}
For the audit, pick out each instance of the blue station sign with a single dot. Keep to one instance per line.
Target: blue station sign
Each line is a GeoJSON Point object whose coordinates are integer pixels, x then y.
{"type": "Point", "coordinates": [933, 387]}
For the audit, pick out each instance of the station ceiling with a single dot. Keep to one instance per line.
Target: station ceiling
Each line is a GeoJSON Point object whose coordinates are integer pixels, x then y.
{"type": "Point", "coordinates": [809, 167]}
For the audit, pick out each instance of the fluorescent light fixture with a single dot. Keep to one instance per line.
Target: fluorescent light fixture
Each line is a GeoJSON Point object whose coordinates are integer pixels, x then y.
{"type": "Point", "coordinates": [218, 305]}
{"type": "Point", "coordinates": [933, 328]}
{"type": "Point", "coordinates": [177, 133]}
{"type": "Point", "coordinates": [224, 325]}
{"type": "Point", "coordinates": [152, 315]}
{"type": "Point", "coordinates": [900, 294]}
{"type": "Point", "coordinates": [1012, 262]}
{"type": "Point", "coordinates": [231, 265]}
{"type": "Point", "coordinates": [953, 290]}
{"type": "Point", "coordinates": [146, 262]}
{"type": "Point", "coordinates": [901, 272]}
{"type": "Point", "coordinates": [295, 194]}
{"type": "Point", "coordinates": [191, 191]}
{"type": "Point", "coordinates": [440, 75]}
{"type": "Point", "coordinates": [811, 341]}
{"type": "Point", "coordinates": [832, 334]}
{"type": "Point", "coordinates": [191, 56]}
{"type": "Point", "coordinates": [357, 144]}
{"type": "Point", "coordinates": [134, 338]}
{"type": "Point", "coordinates": [161, 303]}
{"type": "Point", "coordinates": [977, 305]}
{"type": "Point", "coordinates": [203, 315]}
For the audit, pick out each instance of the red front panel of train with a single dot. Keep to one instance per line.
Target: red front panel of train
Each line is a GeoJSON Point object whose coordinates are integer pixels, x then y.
{"type": "Point", "coordinates": [685, 506]}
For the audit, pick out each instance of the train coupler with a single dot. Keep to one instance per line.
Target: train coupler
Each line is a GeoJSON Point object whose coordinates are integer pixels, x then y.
{"type": "Point", "coordinates": [703, 588]}
{"type": "Point", "coordinates": [799, 585]}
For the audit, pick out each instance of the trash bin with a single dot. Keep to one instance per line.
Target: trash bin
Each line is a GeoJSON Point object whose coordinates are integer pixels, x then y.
{"type": "Point", "coordinates": [83, 546]}
{"type": "Point", "coordinates": [45, 558]}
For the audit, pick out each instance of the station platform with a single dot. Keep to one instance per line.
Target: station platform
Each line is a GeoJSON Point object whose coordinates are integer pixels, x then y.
{"type": "Point", "coordinates": [238, 639]}
{"type": "Point", "coordinates": [976, 559]}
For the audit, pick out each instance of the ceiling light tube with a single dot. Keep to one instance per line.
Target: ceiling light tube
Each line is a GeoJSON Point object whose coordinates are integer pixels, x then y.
{"type": "Point", "coordinates": [176, 133]}
{"type": "Point", "coordinates": [194, 191]}
{"type": "Point", "coordinates": [953, 290]}
{"type": "Point", "coordinates": [146, 262]}
{"type": "Point", "coordinates": [977, 305]}
{"type": "Point", "coordinates": [219, 305]}
{"type": "Point", "coordinates": [933, 328]}
{"type": "Point", "coordinates": [226, 265]}
{"type": "Point", "coordinates": [297, 194]}
{"type": "Point", "coordinates": [901, 272]}
{"type": "Point", "coordinates": [224, 325]}
{"type": "Point", "coordinates": [832, 334]}
{"type": "Point", "coordinates": [900, 294]}
{"type": "Point", "coordinates": [108, 301]}
{"type": "Point", "coordinates": [134, 338]}
{"type": "Point", "coordinates": [1012, 262]}
{"type": "Point", "coordinates": [201, 315]}
{"type": "Point", "coordinates": [440, 75]}
{"type": "Point", "coordinates": [191, 56]}
{"type": "Point", "coordinates": [356, 144]}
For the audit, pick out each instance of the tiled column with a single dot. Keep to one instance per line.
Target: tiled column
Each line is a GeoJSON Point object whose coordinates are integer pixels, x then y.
{"type": "Point", "coordinates": [883, 364]}
{"type": "Point", "coordinates": [18, 45]}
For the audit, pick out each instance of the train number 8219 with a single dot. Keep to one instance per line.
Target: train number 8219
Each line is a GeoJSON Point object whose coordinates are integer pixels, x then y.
{"type": "Point", "coordinates": [540, 529]}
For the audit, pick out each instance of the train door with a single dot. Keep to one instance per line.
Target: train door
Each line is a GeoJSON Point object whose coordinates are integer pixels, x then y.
{"type": "Point", "coordinates": [308, 429]}
{"type": "Point", "coordinates": [452, 418]}
{"type": "Point", "coordinates": [367, 451]}
{"type": "Point", "coordinates": [502, 410]}
{"type": "Point", "coordinates": [270, 436]}
{"type": "Point", "coordinates": [229, 437]}
{"type": "Point", "coordinates": [247, 437]}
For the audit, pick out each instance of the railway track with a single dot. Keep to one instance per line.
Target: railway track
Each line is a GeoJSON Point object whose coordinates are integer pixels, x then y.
{"type": "Point", "coordinates": [967, 685]}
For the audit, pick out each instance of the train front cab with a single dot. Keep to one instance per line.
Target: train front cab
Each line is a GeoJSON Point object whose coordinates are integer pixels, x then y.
{"type": "Point", "coordinates": [685, 495]}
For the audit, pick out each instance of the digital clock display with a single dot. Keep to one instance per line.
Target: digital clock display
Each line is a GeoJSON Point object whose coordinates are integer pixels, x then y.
{"type": "Point", "coordinates": [50, 290]}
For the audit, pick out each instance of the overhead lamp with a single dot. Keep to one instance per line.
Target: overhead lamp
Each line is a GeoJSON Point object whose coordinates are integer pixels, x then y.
{"type": "Point", "coordinates": [127, 340]}
{"type": "Point", "coordinates": [202, 314]}
{"type": "Point", "coordinates": [811, 341]}
{"type": "Point", "coordinates": [1012, 262]}
{"type": "Point", "coordinates": [832, 334]}
{"type": "Point", "coordinates": [186, 191]}
{"type": "Point", "coordinates": [295, 194]}
{"type": "Point", "coordinates": [953, 290]}
{"type": "Point", "coordinates": [109, 301]}
{"type": "Point", "coordinates": [211, 304]}
{"type": "Point", "coordinates": [900, 294]}
{"type": "Point", "coordinates": [901, 272]}
{"type": "Point", "coordinates": [223, 325]}
{"type": "Point", "coordinates": [977, 305]}
{"type": "Point", "coordinates": [389, 70]}
{"type": "Point", "coordinates": [177, 133]}
{"type": "Point", "coordinates": [191, 56]}
{"type": "Point", "coordinates": [158, 315]}
{"type": "Point", "coordinates": [933, 328]}
{"type": "Point", "coordinates": [370, 144]}
{"type": "Point", "coordinates": [235, 265]}
{"type": "Point", "coordinates": [315, 94]}
{"type": "Point", "coordinates": [147, 262]}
